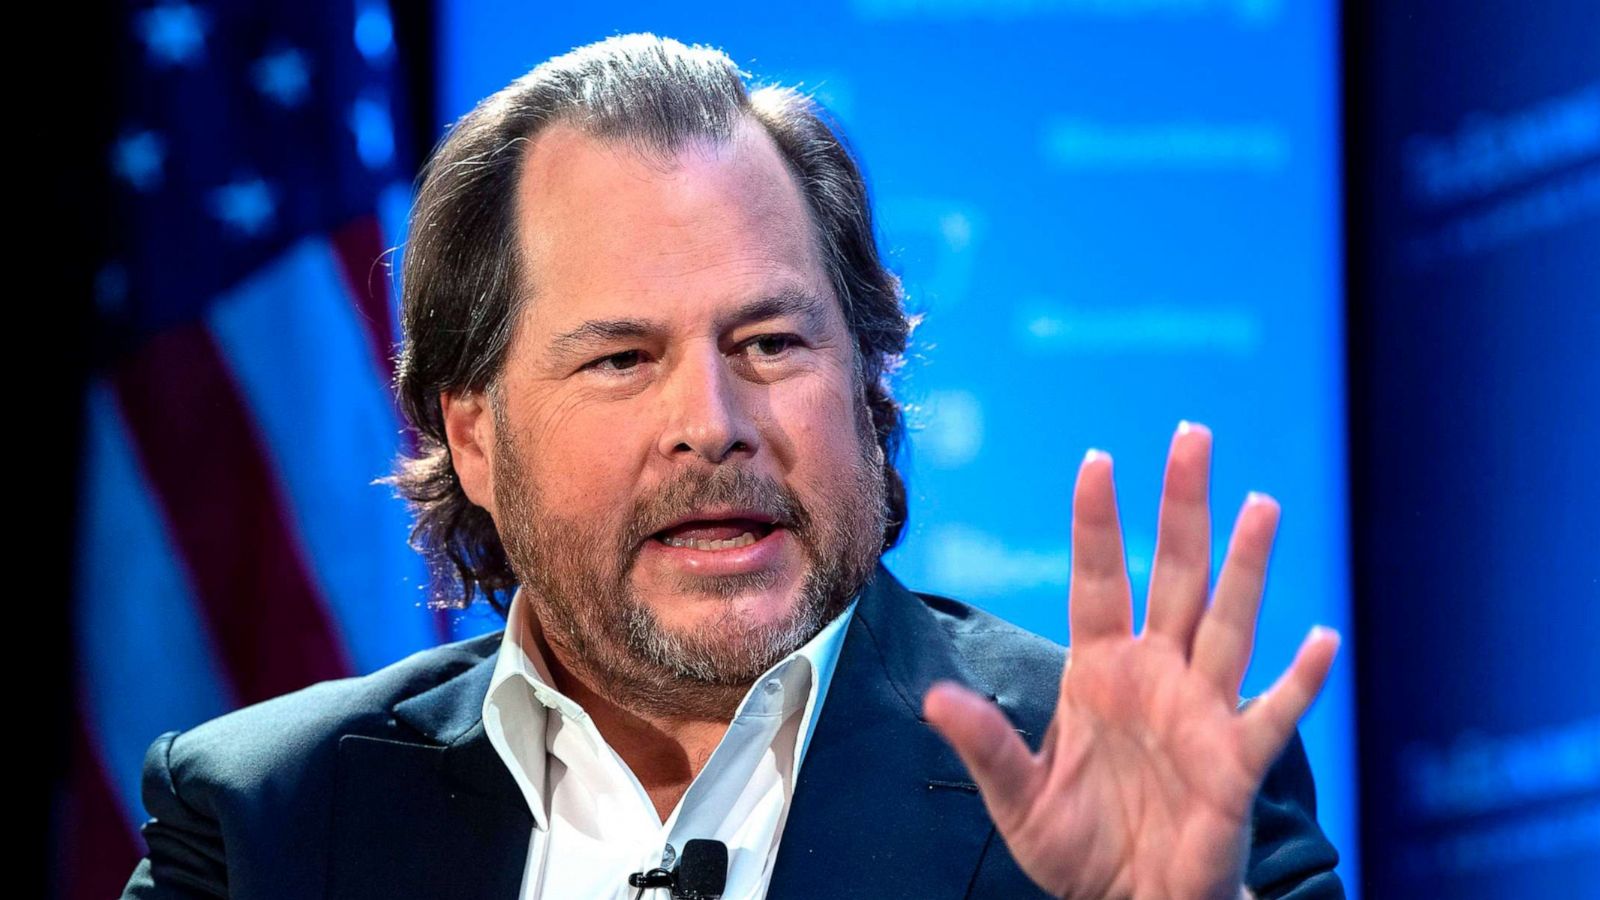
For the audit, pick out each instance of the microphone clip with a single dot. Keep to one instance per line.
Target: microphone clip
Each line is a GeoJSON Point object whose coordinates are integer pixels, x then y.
{"type": "Point", "coordinates": [701, 873]}
{"type": "Point", "coordinates": [655, 878]}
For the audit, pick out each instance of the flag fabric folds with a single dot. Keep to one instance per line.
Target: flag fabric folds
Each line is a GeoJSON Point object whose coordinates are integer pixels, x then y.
{"type": "Point", "coordinates": [232, 545]}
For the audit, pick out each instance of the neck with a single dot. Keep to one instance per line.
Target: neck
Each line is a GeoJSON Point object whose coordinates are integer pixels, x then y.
{"type": "Point", "coordinates": [664, 749]}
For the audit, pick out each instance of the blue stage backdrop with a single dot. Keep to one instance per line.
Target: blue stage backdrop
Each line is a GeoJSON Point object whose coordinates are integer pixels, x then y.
{"type": "Point", "coordinates": [1114, 215]}
{"type": "Point", "coordinates": [1475, 248]}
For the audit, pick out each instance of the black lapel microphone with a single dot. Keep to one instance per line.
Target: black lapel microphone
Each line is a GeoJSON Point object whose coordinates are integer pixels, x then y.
{"type": "Point", "coordinates": [701, 873]}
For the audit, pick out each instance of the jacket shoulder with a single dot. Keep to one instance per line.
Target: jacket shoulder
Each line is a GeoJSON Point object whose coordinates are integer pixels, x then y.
{"type": "Point", "coordinates": [1021, 670]}
{"type": "Point", "coordinates": [221, 794]}
{"type": "Point", "coordinates": [275, 739]}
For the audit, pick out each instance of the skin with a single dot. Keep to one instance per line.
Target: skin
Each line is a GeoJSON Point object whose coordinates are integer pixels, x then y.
{"type": "Point", "coordinates": [1145, 779]}
{"type": "Point", "coordinates": [591, 450]}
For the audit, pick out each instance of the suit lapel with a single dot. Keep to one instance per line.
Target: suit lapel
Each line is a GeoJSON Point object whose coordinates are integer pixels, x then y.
{"type": "Point", "coordinates": [436, 819]}
{"type": "Point", "coordinates": [883, 807]}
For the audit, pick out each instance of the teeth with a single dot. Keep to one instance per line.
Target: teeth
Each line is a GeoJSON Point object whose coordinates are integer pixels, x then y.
{"type": "Point", "coordinates": [743, 540]}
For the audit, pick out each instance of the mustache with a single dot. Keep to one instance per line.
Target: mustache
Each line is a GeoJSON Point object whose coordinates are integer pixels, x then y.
{"type": "Point", "coordinates": [735, 487]}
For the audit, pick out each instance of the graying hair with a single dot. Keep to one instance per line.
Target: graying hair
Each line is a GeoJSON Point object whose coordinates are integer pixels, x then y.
{"type": "Point", "coordinates": [463, 282]}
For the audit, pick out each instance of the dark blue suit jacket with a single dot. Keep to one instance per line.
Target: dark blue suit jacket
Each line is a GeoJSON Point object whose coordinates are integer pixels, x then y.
{"type": "Point", "coordinates": [384, 786]}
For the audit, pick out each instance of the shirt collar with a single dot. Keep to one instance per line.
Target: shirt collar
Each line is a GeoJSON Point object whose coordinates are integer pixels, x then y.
{"type": "Point", "coordinates": [515, 717]}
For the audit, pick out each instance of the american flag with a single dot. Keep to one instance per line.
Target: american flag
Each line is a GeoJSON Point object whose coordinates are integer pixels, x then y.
{"type": "Point", "coordinates": [231, 544]}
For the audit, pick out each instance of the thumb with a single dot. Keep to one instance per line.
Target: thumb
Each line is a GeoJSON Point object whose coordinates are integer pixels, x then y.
{"type": "Point", "coordinates": [980, 733]}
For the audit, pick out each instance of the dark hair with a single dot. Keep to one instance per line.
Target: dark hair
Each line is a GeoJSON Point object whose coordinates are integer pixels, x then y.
{"type": "Point", "coordinates": [462, 280]}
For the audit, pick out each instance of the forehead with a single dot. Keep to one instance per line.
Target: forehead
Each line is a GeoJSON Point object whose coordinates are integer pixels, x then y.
{"type": "Point", "coordinates": [606, 231]}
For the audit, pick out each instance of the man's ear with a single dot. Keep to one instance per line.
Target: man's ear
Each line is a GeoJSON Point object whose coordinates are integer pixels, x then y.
{"type": "Point", "coordinates": [469, 429]}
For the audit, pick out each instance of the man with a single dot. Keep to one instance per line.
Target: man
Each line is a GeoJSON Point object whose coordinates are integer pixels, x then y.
{"type": "Point", "coordinates": [648, 337]}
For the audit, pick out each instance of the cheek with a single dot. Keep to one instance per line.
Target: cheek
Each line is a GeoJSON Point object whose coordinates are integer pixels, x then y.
{"type": "Point", "coordinates": [822, 424]}
{"type": "Point", "coordinates": [557, 421]}
{"type": "Point", "coordinates": [584, 462]}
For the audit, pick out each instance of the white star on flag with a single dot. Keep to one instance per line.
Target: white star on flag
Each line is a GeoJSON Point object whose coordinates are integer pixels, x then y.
{"type": "Point", "coordinates": [246, 205]}
{"type": "Point", "coordinates": [283, 76]}
{"type": "Point", "coordinates": [173, 32]}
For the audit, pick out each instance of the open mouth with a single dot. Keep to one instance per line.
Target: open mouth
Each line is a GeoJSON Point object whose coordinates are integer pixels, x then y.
{"type": "Point", "coordinates": [714, 534]}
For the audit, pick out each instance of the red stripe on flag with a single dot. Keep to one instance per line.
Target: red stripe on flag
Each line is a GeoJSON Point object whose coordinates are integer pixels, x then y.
{"type": "Point", "coordinates": [358, 245]}
{"type": "Point", "coordinates": [226, 513]}
{"type": "Point", "coordinates": [96, 847]}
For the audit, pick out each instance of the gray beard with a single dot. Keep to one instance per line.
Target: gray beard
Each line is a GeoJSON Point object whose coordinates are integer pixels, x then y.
{"type": "Point", "coordinates": [616, 644]}
{"type": "Point", "coordinates": [690, 660]}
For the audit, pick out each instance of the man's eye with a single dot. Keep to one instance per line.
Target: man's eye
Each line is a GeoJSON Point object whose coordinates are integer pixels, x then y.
{"type": "Point", "coordinates": [772, 346]}
{"type": "Point", "coordinates": [777, 343]}
{"type": "Point", "coordinates": [629, 356]}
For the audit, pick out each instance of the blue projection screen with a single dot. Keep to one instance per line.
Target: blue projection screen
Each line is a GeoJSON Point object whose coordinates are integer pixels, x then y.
{"type": "Point", "coordinates": [1113, 215]}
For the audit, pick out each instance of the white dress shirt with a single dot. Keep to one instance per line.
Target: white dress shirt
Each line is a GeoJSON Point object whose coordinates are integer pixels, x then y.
{"type": "Point", "coordinates": [594, 824]}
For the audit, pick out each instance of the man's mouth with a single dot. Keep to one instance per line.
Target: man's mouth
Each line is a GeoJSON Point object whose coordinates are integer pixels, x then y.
{"type": "Point", "coordinates": [715, 534]}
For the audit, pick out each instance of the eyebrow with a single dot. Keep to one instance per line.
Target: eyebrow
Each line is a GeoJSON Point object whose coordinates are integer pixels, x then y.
{"type": "Point", "coordinates": [802, 304]}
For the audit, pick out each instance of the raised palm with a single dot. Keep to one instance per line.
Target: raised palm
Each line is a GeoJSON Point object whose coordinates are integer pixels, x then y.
{"type": "Point", "coordinates": [1144, 782]}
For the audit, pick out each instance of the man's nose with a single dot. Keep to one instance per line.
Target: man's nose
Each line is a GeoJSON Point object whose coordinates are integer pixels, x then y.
{"type": "Point", "coordinates": [705, 406]}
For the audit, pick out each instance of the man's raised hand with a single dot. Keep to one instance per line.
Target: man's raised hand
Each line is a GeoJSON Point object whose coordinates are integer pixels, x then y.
{"type": "Point", "coordinates": [1144, 783]}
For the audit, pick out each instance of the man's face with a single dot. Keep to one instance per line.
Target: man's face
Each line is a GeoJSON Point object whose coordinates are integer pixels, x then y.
{"type": "Point", "coordinates": [728, 396]}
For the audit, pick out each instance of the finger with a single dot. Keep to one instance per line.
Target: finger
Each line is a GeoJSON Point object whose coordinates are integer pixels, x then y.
{"type": "Point", "coordinates": [1227, 631]}
{"type": "Point", "coordinates": [1099, 599]}
{"type": "Point", "coordinates": [1005, 772]}
{"type": "Point", "coordinates": [1270, 721]}
{"type": "Point", "coordinates": [1047, 746]}
{"type": "Point", "coordinates": [1181, 572]}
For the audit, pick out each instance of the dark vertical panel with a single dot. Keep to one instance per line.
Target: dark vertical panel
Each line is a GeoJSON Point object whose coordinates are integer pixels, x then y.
{"type": "Point", "coordinates": [71, 128]}
{"type": "Point", "coordinates": [1474, 276]}
{"type": "Point", "coordinates": [415, 34]}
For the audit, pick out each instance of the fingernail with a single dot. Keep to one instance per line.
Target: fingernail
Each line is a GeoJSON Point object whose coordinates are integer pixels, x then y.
{"type": "Point", "coordinates": [1185, 426]}
{"type": "Point", "coordinates": [1095, 454]}
{"type": "Point", "coordinates": [1256, 497]}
